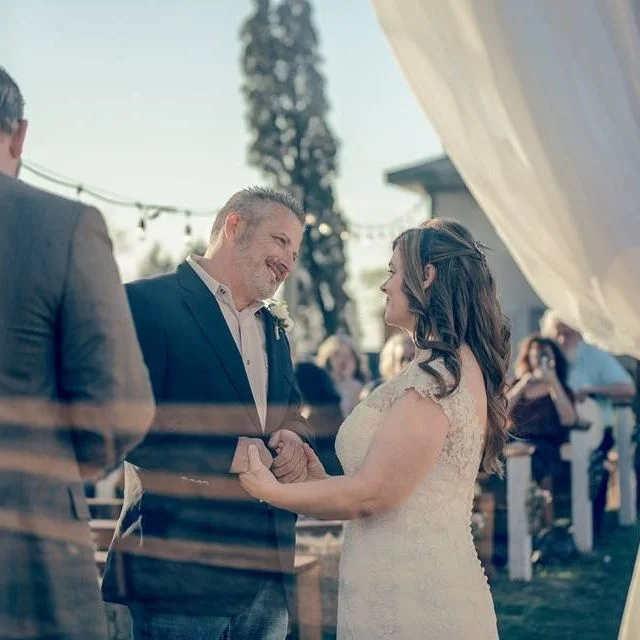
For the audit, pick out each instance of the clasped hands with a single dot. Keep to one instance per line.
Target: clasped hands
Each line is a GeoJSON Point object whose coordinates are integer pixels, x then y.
{"type": "Point", "coordinates": [294, 461]}
{"type": "Point", "coordinates": [285, 456]}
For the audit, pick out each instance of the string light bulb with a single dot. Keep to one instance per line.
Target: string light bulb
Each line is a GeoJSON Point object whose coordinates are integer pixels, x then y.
{"type": "Point", "coordinates": [367, 233]}
{"type": "Point", "coordinates": [142, 229]}
{"type": "Point", "coordinates": [188, 232]}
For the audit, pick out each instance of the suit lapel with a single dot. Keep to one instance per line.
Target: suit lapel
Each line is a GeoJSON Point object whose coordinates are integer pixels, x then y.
{"type": "Point", "coordinates": [278, 384]}
{"type": "Point", "coordinates": [207, 315]}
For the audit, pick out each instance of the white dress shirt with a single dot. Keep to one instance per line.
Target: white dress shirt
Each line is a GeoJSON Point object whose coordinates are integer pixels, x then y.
{"type": "Point", "coordinates": [247, 329]}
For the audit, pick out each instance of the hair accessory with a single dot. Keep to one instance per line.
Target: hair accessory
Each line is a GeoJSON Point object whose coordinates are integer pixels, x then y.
{"type": "Point", "coordinates": [481, 248]}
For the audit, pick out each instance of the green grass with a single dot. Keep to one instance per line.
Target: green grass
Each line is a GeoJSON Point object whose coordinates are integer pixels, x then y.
{"type": "Point", "coordinates": [583, 600]}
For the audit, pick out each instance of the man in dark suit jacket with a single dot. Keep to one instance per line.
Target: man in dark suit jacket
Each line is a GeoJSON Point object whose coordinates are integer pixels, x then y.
{"type": "Point", "coordinates": [193, 554]}
{"type": "Point", "coordinates": [74, 396]}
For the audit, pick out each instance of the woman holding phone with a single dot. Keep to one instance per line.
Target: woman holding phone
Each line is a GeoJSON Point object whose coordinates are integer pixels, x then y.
{"type": "Point", "coordinates": [541, 405]}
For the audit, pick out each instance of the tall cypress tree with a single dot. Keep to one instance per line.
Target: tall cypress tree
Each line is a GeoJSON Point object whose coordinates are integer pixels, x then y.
{"type": "Point", "coordinates": [292, 142]}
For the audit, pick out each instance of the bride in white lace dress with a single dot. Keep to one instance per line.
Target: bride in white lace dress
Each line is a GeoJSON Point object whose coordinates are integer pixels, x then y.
{"type": "Point", "coordinates": [411, 453]}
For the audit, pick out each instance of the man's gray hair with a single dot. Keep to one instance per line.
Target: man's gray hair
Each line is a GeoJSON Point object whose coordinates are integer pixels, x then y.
{"type": "Point", "coordinates": [549, 321]}
{"type": "Point", "coordinates": [252, 204]}
{"type": "Point", "coordinates": [11, 103]}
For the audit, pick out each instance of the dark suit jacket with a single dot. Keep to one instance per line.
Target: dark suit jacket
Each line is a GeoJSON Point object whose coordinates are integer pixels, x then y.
{"type": "Point", "coordinates": [189, 539]}
{"type": "Point", "coordinates": [69, 364]}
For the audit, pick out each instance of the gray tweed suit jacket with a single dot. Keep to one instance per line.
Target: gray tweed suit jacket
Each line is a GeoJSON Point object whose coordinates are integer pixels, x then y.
{"type": "Point", "coordinates": [74, 398]}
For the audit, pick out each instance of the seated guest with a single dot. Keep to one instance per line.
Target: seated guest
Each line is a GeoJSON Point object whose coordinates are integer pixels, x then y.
{"type": "Point", "coordinates": [598, 375]}
{"type": "Point", "coordinates": [321, 407]}
{"type": "Point", "coordinates": [398, 351]}
{"type": "Point", "coordinates": [592, 372]}
{"type": "Point", "coordinates": [339, 357]}
{"type": "Point", "coordinates": [541, 405]}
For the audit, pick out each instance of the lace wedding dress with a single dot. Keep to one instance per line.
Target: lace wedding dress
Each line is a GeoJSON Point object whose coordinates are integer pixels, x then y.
{"type": "Point", "coordinates": [413, 573]}
{"type": "Point", "coordinates": [631, 618]}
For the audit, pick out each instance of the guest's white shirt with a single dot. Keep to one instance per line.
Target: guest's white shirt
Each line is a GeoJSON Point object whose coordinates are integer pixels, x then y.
{"type": "Point", "coordinates": [247, 329]}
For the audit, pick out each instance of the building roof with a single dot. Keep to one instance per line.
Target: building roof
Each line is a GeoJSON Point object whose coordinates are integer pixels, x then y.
{"type": "Point", "coordinates": [431, 176]}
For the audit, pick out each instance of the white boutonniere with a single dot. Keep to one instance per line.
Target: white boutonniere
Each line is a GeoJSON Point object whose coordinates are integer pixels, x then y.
{"type": "Point", "coordinates": [280, 313]}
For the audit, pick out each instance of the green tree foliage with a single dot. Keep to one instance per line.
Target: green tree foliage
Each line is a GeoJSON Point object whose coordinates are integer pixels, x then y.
{"type": "Point", "coordinates": [293, 144]}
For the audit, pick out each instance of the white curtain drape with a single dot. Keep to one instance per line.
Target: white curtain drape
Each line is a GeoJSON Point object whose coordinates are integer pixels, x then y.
{"type": "Point", "coordinates": [537, 104]}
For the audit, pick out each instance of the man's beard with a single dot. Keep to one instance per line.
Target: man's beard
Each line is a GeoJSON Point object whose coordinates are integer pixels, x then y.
{"type": "Point", "coordinates": [254, 271]}
{"type": "Point", "coordinates": [265, 291]}
{"type": "Point", "coordinates": [259, 289]}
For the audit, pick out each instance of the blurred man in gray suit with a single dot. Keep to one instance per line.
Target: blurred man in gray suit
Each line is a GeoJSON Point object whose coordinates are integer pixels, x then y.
{"type": "Point", "coordinates": [74, 395]}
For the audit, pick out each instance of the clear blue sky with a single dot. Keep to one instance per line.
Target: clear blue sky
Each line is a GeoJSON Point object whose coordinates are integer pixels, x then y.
{"type": "Point", "coordinates": [143, 99]}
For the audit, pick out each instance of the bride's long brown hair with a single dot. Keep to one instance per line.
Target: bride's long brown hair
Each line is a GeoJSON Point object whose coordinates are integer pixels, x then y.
{"type": "Point", "coordinates": [461, 306]}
